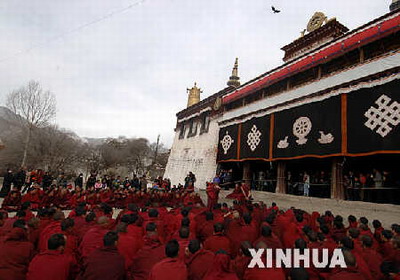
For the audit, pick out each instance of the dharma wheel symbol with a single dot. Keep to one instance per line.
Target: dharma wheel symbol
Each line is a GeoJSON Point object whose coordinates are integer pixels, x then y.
{"type": "Point", "coordinates": [226, 142]}
{"type": "Point", "coordinates": [301, 128]}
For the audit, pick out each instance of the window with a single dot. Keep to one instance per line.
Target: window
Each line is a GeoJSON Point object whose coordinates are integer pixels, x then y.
{"type": "Point", "coordinates": [182, 131]}
{"type": "Point", "coordinates": [192, 128]}
{"type": "Point", "coordinates": [205, 122]}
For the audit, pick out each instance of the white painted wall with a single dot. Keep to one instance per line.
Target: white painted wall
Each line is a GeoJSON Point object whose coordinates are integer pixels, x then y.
{"type": "Point", "coordinates": [197, 154]}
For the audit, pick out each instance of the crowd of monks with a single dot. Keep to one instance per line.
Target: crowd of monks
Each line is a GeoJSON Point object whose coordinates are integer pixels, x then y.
{"type": "Point", "coordinates": [173, 235]}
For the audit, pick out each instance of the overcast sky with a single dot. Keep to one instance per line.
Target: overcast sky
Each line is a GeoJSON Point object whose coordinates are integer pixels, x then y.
{"type": "Point", "coordinates": [127, 74]}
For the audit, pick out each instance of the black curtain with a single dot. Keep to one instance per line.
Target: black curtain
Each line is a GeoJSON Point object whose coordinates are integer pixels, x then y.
{"type": "Point", "coordinates": [227, 142]}
{"type": "Point", "coordinates": [254, 138]}
{"type": "Point", "coordinates": [310, 129]}
{"type": "Point", "coordinates": [373, 118]}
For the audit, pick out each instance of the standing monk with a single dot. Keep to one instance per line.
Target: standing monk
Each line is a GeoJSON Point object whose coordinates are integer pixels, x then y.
{"type": "Point", "coordinates": [212, 195]}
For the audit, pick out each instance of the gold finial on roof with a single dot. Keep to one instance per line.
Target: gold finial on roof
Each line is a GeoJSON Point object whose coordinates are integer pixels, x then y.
{"type": "Point", "coordinates": [194, 95]}
{"type": "Point", "coordinates": [234, 79]}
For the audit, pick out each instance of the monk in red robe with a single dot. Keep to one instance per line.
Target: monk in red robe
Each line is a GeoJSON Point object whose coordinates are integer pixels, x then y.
{"type": "Point", "coordinates": [153, 217]}
{"type": "Point", "coordinates": [198, 260]}
{"type": "Point", "coordinates": [12, 201]}
{"type": "Point", "coordinates": [221, 268]}
{"type": "Point", "coordinates": [151, 253]}
{"type": "Point", "coordinates": [128, 245]}
{"type": "Point", "coordinates": [93, 238]}
{"type": "Point", "coordinates": [105, 263]}
{"type": "Point", "coordinates": [212, 195]}
{"type": "Point", "coordinates": [52, 228]}
{"type": "Point", "coordinates": [371, 257]}
{"type": "Point", "coordinates": [171, 267]}
{"type": "Point", "coordinates": [269, 238]}
{"type": "Point", "coordinates": [15, 254]}
{"type": "Point", "coordinates": [242, 260]}
{"type": "Point", "coordinates": [218, 241]}
{"type": "Point", "coordinates": [349, 273]}
{"type": "Point", "coordinates": [53, 264]}
{"type": "Point", "coordinates": [206, 228]}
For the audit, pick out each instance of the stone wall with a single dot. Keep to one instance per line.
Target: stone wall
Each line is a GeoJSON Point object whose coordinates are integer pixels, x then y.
{"type": "Point", "coordinates": [197, 154]}
{"type": "Point", "coordinates": [386, 213]}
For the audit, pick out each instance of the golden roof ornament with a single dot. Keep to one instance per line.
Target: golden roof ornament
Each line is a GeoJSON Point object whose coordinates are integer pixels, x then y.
{"type": "Point", "coordinates": [317, 20]}
{"type": "Point", "coordinates": [194, 95]}
{"type": "Point", "coordinates": [234, 80]}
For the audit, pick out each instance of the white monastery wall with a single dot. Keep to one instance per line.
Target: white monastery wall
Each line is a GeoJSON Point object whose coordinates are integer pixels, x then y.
{"type": "Point", "coordinates": [197, 154]}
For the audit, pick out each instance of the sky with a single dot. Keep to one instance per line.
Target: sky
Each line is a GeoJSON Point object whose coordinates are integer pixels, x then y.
{"type": "Point", "coordinates": [122, 67]}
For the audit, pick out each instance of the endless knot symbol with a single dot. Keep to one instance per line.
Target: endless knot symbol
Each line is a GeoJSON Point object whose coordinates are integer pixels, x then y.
{"type": "Point", "coordinates": [253, 138]}
{"type": "Point", "coordinates": [226, 142]}
{"type": "Point", "coordinates": [301, 128]}
{"type": "Point", "coordinates": [383, 117]}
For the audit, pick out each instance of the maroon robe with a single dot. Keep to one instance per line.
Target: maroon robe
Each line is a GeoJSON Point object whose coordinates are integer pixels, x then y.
{"type": "Point", "coordinates": [104, 264]}
{"type": "Point", "coordinates": [374, 261]}
{"type": "Point", "coordinates": [92, 240]}
{"type": "Point", "coordinates": [263, 274]}
{"type": "Point", "coordinates": [128, 246]}
{"type": "Point", "coordinates": [169, 268]}
{"type": "Point", "coordinates": [151, 253]}
{"type": "Point", "coordinates": [240, 264]}
{"type": "Point", "coordinates": [52, 228]}
{"type": "Point", "coordinates": [199, 263]}
{"type": "Point", "coordinates": [221, 269]}
{"type": "Point", "coordinates": [217, 242]}
{"type": "Point", "coordinates": [15, 254]}
{"type": "Point", "coordinates": [349, 273]}
{"type": "Point", "coordinates": [52, 265]}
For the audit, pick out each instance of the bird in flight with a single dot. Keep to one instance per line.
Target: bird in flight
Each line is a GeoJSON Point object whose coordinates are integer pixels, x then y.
{"type": "Point", "coordinates": [275, 10]}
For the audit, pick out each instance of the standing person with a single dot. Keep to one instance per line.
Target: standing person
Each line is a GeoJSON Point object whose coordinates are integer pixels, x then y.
{"type": "Point", "coordinates": [378, 178]}
{"type": "Point", "coordinates": [91, 181]}
{"type": "Point", "coordinates": [19, 179]}
{"type": "Point", "coordinates": [106, 262]}
{"type": "Point", "coordinates": [212, 195]}
{"type": "Point", "coordinates": [8, 180]}
{"type": "Point", "coordinates": [53, 263]}
{"type": "Point", "coordinates": [190, 180]}
{"type": "Point", "coordinates": [143, 183]}
{"type": "Point", "coordinates": [306, 181]}
{"type": "Point", "coordinates": [47, 180]}
{"type": "Point", "coordinates": [79, 181]}
{"type": "Point", "coordinates": [135, 182]}
{"type": "Point", "coordinates": [246, 192]}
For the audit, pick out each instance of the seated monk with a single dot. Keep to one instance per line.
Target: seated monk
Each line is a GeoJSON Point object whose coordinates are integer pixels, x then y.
{"type": "Point", "coordinates": [52, 263]}
{"type": "Point", "coordinates": [15, 253]}
{"type": "Point", "coordinates": [171, 267]}
{"type": "Point", "coordinates": [105, 263]}
{"type": "Point", "coordinates": [236, 193]}
{"type": "Point", "coordinates": [93, 239]}
{"type": "Point", "coordinates": [12, 201]}
{"type": "Point", "coordinates": [221, 268]}
{"type": "Point", "coordinates": [218, 241]}
{"type": "Point", "coordinates": [198, 260]}
{"type": "Point", "coordinates": [151, 253]}
{"type": "Point", "coordinates": [350, 272]}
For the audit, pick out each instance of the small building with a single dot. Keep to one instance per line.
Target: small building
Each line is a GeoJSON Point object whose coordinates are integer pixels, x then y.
{"type": "Point", "coordinates": [329, 114]}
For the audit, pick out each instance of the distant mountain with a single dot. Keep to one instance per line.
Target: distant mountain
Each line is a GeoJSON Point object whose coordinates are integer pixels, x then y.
{"type": "Point", "coordinates": [9, 122]}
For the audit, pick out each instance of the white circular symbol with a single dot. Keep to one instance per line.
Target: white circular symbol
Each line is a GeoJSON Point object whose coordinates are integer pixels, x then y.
{"type": "Point", "coordinates": [226, 142]}
{"type": "Point", "coordinates": [301, 128]}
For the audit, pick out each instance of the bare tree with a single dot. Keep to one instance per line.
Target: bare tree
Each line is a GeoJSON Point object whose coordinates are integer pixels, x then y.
{"type": "Point", "coordinates": [35, 106]}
